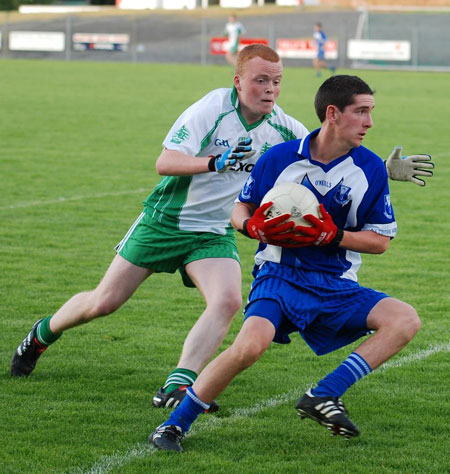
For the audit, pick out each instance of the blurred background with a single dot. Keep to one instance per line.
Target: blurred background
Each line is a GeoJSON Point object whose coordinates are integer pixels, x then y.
{"type": "Point", "coordinates": [399, 34]}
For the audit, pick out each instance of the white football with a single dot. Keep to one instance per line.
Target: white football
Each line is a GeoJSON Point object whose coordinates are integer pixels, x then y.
{"type": "Point", "coordinates": [294, 199]}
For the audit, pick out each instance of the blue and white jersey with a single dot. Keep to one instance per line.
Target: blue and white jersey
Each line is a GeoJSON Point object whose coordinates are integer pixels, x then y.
{"type": "Point", "coordinates": [320, 39]}
{"type": "Point", "coordinates": [353, 188]}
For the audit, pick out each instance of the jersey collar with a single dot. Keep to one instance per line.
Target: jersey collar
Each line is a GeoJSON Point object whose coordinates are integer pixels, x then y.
{"type": "Point", "coordinates": [237, 106]}
{"type": "Point", "coordinates": [305, 152]}
{"type": "Point", "coordinates": [303, 149]}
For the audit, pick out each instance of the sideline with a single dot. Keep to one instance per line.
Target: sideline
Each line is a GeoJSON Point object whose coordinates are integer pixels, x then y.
{"type": "Point", "coordinates": [108, 463]}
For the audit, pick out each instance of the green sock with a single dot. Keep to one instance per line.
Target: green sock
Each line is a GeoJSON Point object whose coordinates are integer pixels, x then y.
{"type": "Point", "coordinates": [44, 334]}
{"type": "Point", "coordinates": [179, 377]}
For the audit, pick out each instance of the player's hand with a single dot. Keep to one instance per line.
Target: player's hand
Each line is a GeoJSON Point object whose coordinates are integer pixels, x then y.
{"type": "Point", "coordinates": [223, 162]}
{"type": "Point", "coordinates": [322, 231]}
{"type": "Point", "coordinates": [407, 168]}
{"type": "Point", "coordinates": [269, 231]}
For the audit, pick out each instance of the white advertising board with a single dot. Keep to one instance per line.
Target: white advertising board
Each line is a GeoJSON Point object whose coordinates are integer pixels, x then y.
{"type": "Point", "coordinates": [289, 3]}
{"type": "Point", "coordinates": [100, 42]}
{"type": "Point", "coordinates": [138, 4]}
{"type": "Point", "coordinates": [179, 4]}
{"type": "Point", "coordinates": [57, 8]}
{"type": "Point", "coordinates": [37, 41]}
{"type": "Point", "coordinates": [153, 4]}
{"type": "Point", "coordinates": [235, 3]}
{"type": "Point", "coordinates": [379, 50]}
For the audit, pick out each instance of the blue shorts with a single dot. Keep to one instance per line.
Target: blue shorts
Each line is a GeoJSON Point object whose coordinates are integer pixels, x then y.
{"type": "Point", "coordinates": [321, 53]}
{"type": "Point", "coordinates": [328, 311]}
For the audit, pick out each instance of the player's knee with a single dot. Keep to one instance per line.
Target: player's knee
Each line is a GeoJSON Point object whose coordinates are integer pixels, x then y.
{"type": "Point", "coordinates": [248, 353]}
{"type": "Point", "coordinates": [412, 322]}
{"type": "Point", "coordinates": [234, 303]}
{"type": "Point", "coordinates": [102, 306]}
{"type": "Point", "coordinates": [229, 304]}
{"type": "Point", "coordinates": [406, 322]}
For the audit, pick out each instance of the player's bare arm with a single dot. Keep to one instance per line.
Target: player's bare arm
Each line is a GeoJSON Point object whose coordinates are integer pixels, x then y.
{"type": "Point", "coordinates": [365, 241]}
{"type": "Point", "coordinates": [175, 163]}
{"type": "Point", "coordinates": [324, 231]}
{"type": "Point", "coordinates": [241, 212]}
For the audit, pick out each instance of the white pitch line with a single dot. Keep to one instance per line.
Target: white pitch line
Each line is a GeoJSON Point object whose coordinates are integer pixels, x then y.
{"type": "Point", "coordinates": [207, 423]}
{"type": "Point", "coordinates": [62, 199]}
{"type": "Point", "coordinates": [419, 355]}
{"type": "Point", "coordinates": [114, 461]}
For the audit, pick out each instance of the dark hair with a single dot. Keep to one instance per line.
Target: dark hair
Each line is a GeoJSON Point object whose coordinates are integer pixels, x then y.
{"type": "Point", "coordinates": [340, 91]}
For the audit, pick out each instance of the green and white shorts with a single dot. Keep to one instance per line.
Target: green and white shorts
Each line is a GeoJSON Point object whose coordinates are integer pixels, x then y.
{"type": "Point", "coordinates": [147, 244]}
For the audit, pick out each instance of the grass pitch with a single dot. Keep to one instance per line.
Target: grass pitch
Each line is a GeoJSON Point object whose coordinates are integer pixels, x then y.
{"type": "Point", "coordinates": [78, 142]}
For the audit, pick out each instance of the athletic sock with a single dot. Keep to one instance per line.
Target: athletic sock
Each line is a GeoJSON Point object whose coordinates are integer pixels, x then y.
{"type": "Point", "coordinates": [339, 381]}
{"type": "Point", "coordinates": [187, 411]}
{"type": "Point", "coordinates": [44, 334]}
{"type": "Point", "coordinates": [178, 378]}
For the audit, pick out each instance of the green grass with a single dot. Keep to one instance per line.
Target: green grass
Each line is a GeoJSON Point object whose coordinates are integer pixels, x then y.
{"type": "Point", "coordinates": [78, 142]}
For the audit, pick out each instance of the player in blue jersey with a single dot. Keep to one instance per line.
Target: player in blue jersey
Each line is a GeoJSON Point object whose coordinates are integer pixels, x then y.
{"type": "Point", "coordinates": [209, 151]}
{"type": "Point", "coordinates": [305, 277]}
{"type": "Point", "coordinates": [319, 61]}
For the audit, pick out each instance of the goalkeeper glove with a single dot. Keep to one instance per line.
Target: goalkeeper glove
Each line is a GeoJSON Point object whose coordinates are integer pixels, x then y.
{"type": "Point", "coordinates": [223, 162]}
{"type": "Point", "coordinates": [407, 168]}
{"type": "Point", "coordinates": [269, 231]}
{"type": "Point", "coordinates": [322, 231]}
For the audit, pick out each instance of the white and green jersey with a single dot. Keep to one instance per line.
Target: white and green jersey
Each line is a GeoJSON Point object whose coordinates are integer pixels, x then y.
{"type": "Point", "coordinates": [203, 202]}
{"type": "Point", "coordinates": [233, 31]}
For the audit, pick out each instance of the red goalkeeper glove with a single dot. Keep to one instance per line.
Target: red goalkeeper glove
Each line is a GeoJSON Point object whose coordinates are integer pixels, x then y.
{"type": "Point", "coordinates": [322, 231]}
{"type": "Point", "coordinates": [269, 231]}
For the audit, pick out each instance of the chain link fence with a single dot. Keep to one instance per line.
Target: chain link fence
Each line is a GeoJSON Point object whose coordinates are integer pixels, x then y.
{"type": "Point", "coordinates": [183, 38]}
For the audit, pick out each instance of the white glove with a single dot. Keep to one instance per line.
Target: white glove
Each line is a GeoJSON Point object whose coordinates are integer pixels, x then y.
{"type": "Point", "coordinates": [407, 168]}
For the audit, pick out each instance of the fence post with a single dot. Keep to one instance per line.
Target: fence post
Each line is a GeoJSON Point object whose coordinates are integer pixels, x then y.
{"type": "Point", "coordinates": [204, 42]}
{"type": "Point", "coordinates": [342, 47]}
{"type": "Point", "coordinates": [5, 36]}
{"type": "Point", "coordinates": [271, 34]}
{"type": "Point", "coordinates": [68, 37]}
{"type": "Point", "coordinates": [415, 47]}
{"type": "Point", "coordinates": [134, 39]}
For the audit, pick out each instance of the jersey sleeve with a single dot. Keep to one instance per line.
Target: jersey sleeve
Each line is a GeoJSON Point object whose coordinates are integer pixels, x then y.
{"type": "Point", "coordinates": [193, 125]}
{"type": "Point", "coordinates": [377, 212]}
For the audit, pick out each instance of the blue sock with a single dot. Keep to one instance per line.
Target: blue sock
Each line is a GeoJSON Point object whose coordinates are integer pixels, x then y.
{"type": "Point", "coordinates": [338, 382]}
{"type": "Point", "coordinates": [187, 411]}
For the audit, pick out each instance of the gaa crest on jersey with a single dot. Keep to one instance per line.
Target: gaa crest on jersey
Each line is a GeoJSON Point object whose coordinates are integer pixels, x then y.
{"type": "Point", "coordinates": [342, 194]}
{"type": "Point", "coordinates": [247, 189]}
{"type": "Point", "coordinates": [180, 136]}
{"type": "Point", "coordinates": [221, 142]}
{"type": "Point", "coordinates": [266, 146]}
{"type": "Point", "coordinates": [387, 206]}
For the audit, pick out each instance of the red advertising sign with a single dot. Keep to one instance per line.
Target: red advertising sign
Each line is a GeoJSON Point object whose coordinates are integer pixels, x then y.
{"type": "Point", "coordinates": [218, 45]}
{"type": "Point", "coordinates": [304, 48]}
